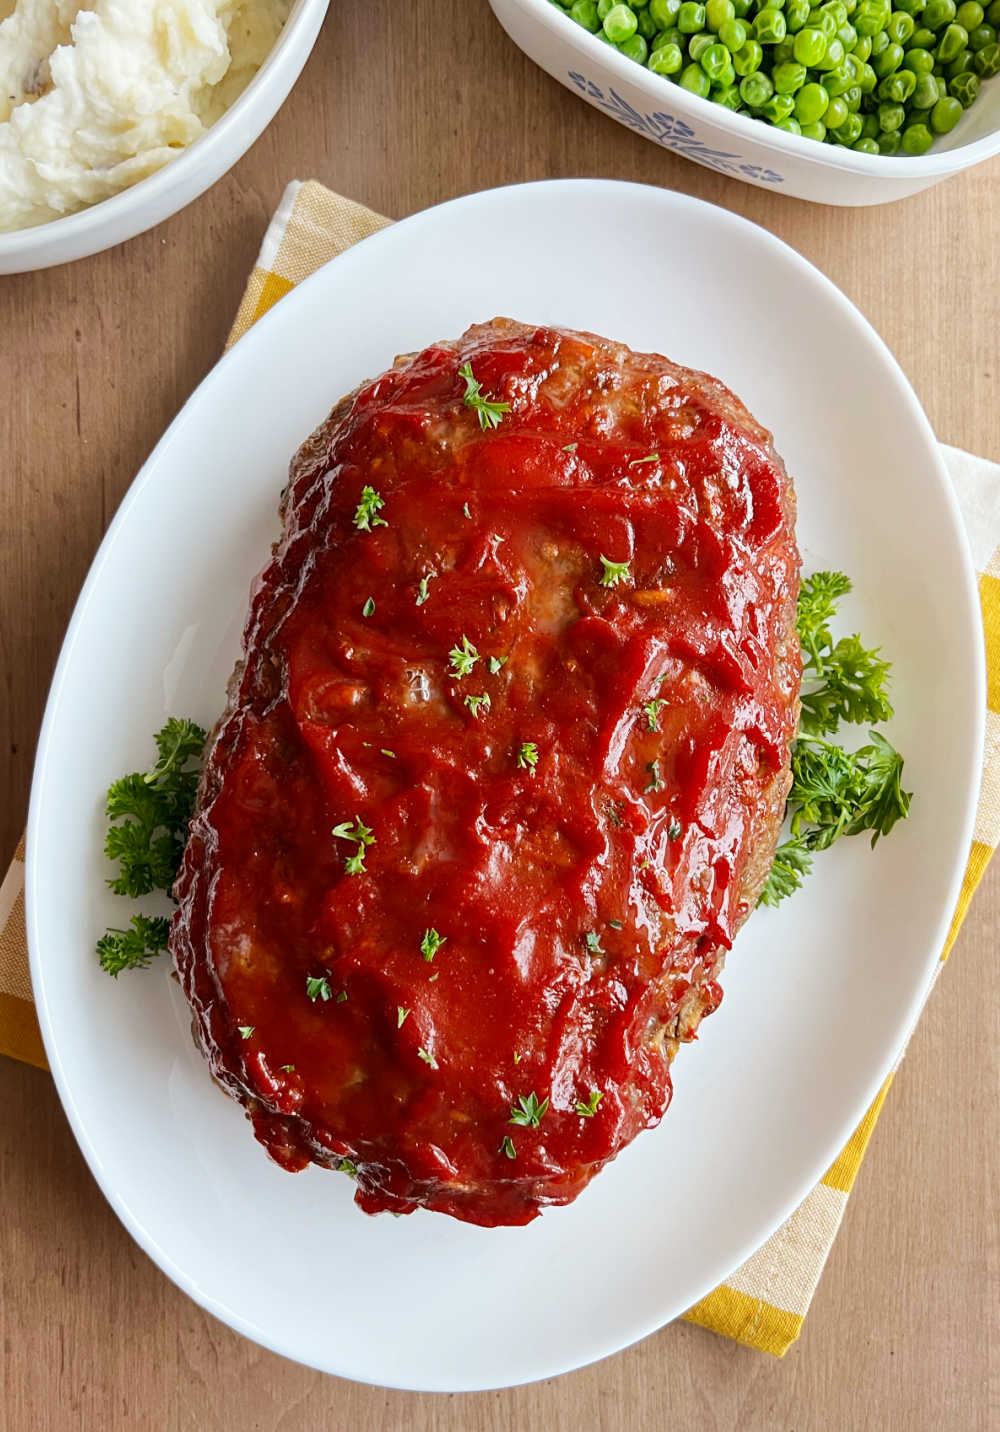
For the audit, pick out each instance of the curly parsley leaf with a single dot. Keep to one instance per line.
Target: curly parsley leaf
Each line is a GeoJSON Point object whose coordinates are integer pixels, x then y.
{"type": "Point", "coordinates": [487, 410]}
{"type": "Point", "coordinates": [842, 680]}
{"type": "Point", "coordinates": [132, 949]}
{"type": "Point", "coordinates": [366, 517]}
{"type": "Point", "coordinates": [153, 810]}
{"type": "Point", "coordinates": [792, 862]}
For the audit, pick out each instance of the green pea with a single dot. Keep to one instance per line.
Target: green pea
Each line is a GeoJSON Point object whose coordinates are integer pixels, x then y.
{"type": "Point", "coordinates": [889, 60]}
{"type": "Point", "coordinates": [672, 36]}
{"type": "Point", "coordinates": [814, 130]}
{"type": "Point", "coordinates": [889, 143]}
{"type": "Point", "coordinates": [811, 102]}
{"type": "Point", "coordinates": [790, 124]}
{"type": "Point", "coordinates": [647, 25]}
{"type": "Point", "coordinates": [749, 59]}
{"type": "Point", "coordinates": [715, 61]}
{"type": "Point", "coordinates": [664, 12]}
{"type": "Point", "coordinates": [639, 4]}
{"type": "Point", "coordinates": [921, 62]}
{"type": "Point", "coordinates": [993, 14]}
{"type": "Point", "coordinates": [982, 36]}
{"type": "Point", "coordinates": [788, 77]}
{"type": "Point", "coordinates": [862, 47]}
{"type": "Point", "coordinates": [584, 12]}
{"type": "Point", "coordinates": [728, 96]}
{"type": "Point", "coordinates": [824, 23]}
{"type": "Point", "coordinates": [880, 42]}
{"type": "Point", "coordinates": [769, 26]}
{"type": "Point", "coordinates": [960, 65]}
{"type": "Point", "coordinates": [917, 139]}
{"type": "Point", "coordinates": [939, 13]}
{"type": "Point", "coordinates": [865, 146]}
{"type": "Point", "coordinates": [867, 79]}
{"type": "Point", "coordinates": [891, 117]}
{"type": "Point", "coordinates": [942, 85]}
{"type": "Point", "coordinates": [925, 95]}
{"type": "Point", "coordinates": [717, 12]}
{"type": "Point", "coordinates": [900, 28]}
{"type": "Point", "coordinates": [923, 39]}
{"type": "Point", "coordinates": [849, 131]}
{"type": "Point", "coordinates": [694, 79]}
{"type": "Point", "coordinates": [783, 51]}
{"type": "Point", "coordinates": [836, 113]}
{"type": "Point", "coordinates": [796, 15]}
{"type": "Point", "coordinates": [868, 18]}
{"type": "Point", "coordinates": [604, 7]}
{"type": "Point", "coordinates": [779, 106]}
{"type": "Point", "coordinates": [987, 61]}
{"type": "Point", "coordinates": [898, 87]}
{"type": "Point", "coordinates": [809, 46]}
{"type": "Point", "coordinates": [970, 14]}
{"type": "Point", "coordinates": [620, 23]}
{"type": "Point", "coordinates": [742, 8]}
{"type": "Point", "coordinates": [698, 44]}
{"type": "Point", "coordinates": [833, 58]}
{"type": "Point", "coordinates": [667, 60]}
{"type": "Point", "coordinates": [756, 90]}
{"type": "Point", "coordinates": [691, 17]}
{"type": "Point", "coordinates": [965, 88]}
{"type": "Point", "coordinates": [848, 36]}
{"type": "Point", "coordinates": [945, 115]}
{"type": "Point", "coordinates": [952, 43]}
{"type": "Point", "coordinates": [909, 7]}
{"type": "Point", "coordinates": [635, 49]}
{"type": "Point", "coordinates": [734, 35]}
{"type": "Point", "coordinates": [869, 127]}
{"type": "Point", "coordinates": [838, 81]}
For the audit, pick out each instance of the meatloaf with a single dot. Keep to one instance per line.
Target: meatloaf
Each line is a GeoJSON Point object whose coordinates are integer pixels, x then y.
{"type": "Point", "coordinates": [501, 772]}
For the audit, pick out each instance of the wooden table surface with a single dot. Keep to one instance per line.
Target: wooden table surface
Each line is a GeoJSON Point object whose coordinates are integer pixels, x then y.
{"type": "Point", "coordinates": [403, 105]}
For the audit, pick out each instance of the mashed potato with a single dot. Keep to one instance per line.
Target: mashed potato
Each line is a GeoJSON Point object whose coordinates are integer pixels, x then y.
{"type": "Point", "coordinates": [95, 94]}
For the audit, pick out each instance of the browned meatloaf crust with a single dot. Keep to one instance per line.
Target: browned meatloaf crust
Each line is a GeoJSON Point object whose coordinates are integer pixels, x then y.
{"type": "Point", "coordinates": [501, 772]}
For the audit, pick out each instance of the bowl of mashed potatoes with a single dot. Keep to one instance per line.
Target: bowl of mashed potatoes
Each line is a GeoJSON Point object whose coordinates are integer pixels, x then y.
{"type": "Point", "coordinates": [114, 114]}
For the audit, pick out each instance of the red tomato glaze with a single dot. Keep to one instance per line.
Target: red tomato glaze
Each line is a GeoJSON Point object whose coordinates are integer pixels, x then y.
{"type": "Point", "coordinates": [572, 818]}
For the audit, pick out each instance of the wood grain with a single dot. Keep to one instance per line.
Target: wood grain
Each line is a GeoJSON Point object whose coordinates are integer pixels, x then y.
{"type": "Point", "coordinates": [402, 106]}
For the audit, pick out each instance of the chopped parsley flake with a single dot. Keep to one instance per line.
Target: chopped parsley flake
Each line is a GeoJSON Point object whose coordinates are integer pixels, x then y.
{"type": "Point", "coordinates": [318, 987]}
{"type": "Point", "coordinates": [401, 1014]}
{"type": "Point", "coordinates": [288, 1068]}
{"type": "Point", "coordinates": [589, 1109]}
{"type": "Point", "coordinates": [495, 663]}
{"type": "Point", "coordinates": [390, 754]}
{"type": "Point", "coordinates": [638, 461]}
{"type": "Point", "coordinates": [427, 1058]}
{"type": "Point", "coordinates": [594, 942]}
{"type": "Point", "coordinates": [614, 572]}
{"type": "Point", "coordinates": [487, 410]}
{"type": "Point", "coordinates": [368, 610]}
{"type": "Point", "coordinates": [431, 943]}
{"type": "Point", "coordinates": [465, 510]}
{"type": "Point", "coordinates": [527, 757]}
{"type": "Point", "coordinates": [507, 1147]}
{"type": "Point", "coordinates": [463, 658]}
{"type": "Point", "coordinates": [475, 702]}
{"type": "Point", "coordinates": [422, 592]}
{"type": "Point", "coordinates": [362, 835]}
{"type": "Point", "coordinates": [528, 1111]}
{"type": "Point", "coordinates": [615, 924]}
{"type": "Point", "coordinates": [349, 1167]}
{"type": "Point", "coordinates": [342, 997]}
{"type": "Point", "coordinates": [570, 447]}
{"type": "Point", "coordinates": [675, 831]}
{"type": "Point", "coordinates": [370, 505]}
{"type": "Point", "coordinates": [652, 710]}
{"type": "Point", "coordinates": [245, 1030]}
{"type": "Point", "coordinates": [517, 1057]}
{"type": "Point", "coordinates": [655, 784]}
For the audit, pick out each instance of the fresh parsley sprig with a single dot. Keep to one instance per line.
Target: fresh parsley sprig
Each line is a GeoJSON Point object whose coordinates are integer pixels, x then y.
{"type": "Point", "coordinates": [132, 949]}
{"type": "Point", "coordinates": [153, 811]}
{"type": "Point", "coordinates": [487, 410]}
{"type": "Point", "coordinates": [842, 680]}
{"type": "Point", "coordinates": [835, 792]}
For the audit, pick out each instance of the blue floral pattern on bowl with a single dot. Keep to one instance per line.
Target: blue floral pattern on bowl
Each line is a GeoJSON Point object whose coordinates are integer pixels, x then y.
{"type": "Point", "coordinates": [672, 133]}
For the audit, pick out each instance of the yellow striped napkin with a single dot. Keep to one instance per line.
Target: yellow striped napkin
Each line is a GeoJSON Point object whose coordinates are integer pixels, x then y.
{"type": "Point", "coordinates": [764, 1302]}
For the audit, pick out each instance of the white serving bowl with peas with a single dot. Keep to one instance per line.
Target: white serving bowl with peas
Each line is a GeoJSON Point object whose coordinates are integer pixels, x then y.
{"type": "Point", "coordinates": [844, 102]}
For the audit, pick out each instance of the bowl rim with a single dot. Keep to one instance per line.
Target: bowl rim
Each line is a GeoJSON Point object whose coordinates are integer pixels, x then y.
{"type": "Point", "coordinates": [120, 211]}
{"type": "Point", "coordinates": [830, 156]}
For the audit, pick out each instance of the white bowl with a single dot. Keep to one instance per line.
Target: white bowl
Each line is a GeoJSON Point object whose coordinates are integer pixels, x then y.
{"type": "Point", "coordinates": [735, 144]}
{"type": "Point", "coordinates": [154, 199]}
